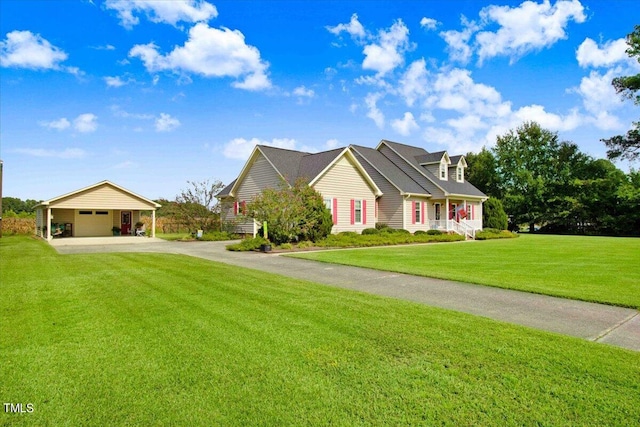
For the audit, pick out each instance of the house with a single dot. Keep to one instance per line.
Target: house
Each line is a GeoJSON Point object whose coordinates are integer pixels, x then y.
{"type": "Point", "coordinates": [93, 211]}
{"type": "Point", "coordinates": [396, 184]}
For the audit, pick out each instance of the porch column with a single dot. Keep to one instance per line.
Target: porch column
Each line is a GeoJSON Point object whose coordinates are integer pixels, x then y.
{"type": "Point", "coordinates": [48, 223]}
{"type": "Point", "coordinates": [153, 223]}
{"type": "Point", "coordinates": [447, 209]}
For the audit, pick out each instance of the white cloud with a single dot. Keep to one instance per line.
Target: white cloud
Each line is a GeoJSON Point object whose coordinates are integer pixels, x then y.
{"type": "Point", "coordinates": [166, 123]}
{"type": "Point", "coordinates": [118, 112]}
{"type": "Point", "coordinates": [115, 81]}
{"type": "Point", "coordinates": [127, 164]}
{"type": "Point", "coordinates": [528, 27]}
{"type": "Point", "coordinates": [429, 23]}
{"type": "Point", "coordinates": [354, 28]}
{"type": "Point", "coordinates": [406, 125]}
{"type": "Point", "coordinates": [414, 83]}
{"type": "Point", "coordinates": [374, 112]}
{"type": "Point", "coordinates": [302, 91]}
{"type": "Point", "coordinates": [210, 52]}
{"type": "Point", "coordinates": [169, 12]}
{"type": "Point", "coordinates": [589, 54]}
{"type": "Point", "coordinates": [458, 41]}
{"type": "Point", "coordinates": [23, 49]}
{"type": "Point", "coordinates": [68, 153]}
{"type": "Point", "coordinates": [86, 123]}
{"type": "Point", "coordinates": [60, 124]}
{"type": "Point", "coordinates": [331, 144]}
{"type": "Point", "coordinates": [545, 119]}
{"type": "Point", "coordinates": [240, 148]}
{"type": "Point", "coordinates": [387, 52]}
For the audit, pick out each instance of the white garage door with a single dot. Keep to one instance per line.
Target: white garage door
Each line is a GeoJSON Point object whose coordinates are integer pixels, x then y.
{"type": "Point", "coordinates": [93, 223]}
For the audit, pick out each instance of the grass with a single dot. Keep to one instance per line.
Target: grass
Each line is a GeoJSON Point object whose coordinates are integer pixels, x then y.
{"type": "Point", "coordinates": [599, 269]}
{"type": "Point", "coordinates": [159, 339]}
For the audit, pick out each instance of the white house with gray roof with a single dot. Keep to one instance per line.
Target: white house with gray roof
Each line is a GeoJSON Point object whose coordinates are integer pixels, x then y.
{"type": "Point", "coordinates": [397, 184]}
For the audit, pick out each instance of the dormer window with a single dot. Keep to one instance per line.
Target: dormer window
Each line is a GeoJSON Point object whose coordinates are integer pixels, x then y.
{"type": "Point", "coordinates": [460, 173]}
{"type": "Point", "coordinates": [443, 171]}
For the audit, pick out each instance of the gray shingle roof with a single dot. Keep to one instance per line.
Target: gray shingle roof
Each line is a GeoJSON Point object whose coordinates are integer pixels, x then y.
{"type": "Point", "coordinates": [410, 154]}
{"type": "Point", "coordinates": [371, 158]}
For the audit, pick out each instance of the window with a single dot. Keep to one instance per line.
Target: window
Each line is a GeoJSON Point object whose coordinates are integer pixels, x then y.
{"type": "Point", "coordinates": [85, 212]}
{"type": "Point", "coordinates": [437, 215]}
{"type": "Point", "coordinates": [417, 215]}
{"type": "Point", "coordinates": [454, 211]}
{"type": "Point", "coordinates": [328, 203]}
{"type": "Point", "coordinates": [443, 170]}
{"type": "Point", "coordinates": [102, 212]}
{"type": "Point", "coordinates": [460, 174]}
{"type": "Point", "coordinates": [357, 211]}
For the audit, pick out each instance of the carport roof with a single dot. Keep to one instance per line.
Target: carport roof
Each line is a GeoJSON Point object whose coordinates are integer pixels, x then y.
{"type": "Point", "coordinates": [47, 203]}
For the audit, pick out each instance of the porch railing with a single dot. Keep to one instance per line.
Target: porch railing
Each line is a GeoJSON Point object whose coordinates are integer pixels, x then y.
{"type": "Point", "coordinates": [464, 228]}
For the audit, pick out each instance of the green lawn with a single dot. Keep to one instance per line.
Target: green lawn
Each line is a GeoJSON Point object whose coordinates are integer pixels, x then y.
{"type": "Point", "coordinates": [153, 339]}
{"type": "Point", "coordinates": [600, 269]}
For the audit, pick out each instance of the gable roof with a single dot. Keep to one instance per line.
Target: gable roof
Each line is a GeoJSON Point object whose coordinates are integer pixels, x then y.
{"type": "Point", "coordinates": [412, 156]}
{"type": "Point", "coordinates": [104, 183]}
{"type": "Point", "coordinates": [293, 165]}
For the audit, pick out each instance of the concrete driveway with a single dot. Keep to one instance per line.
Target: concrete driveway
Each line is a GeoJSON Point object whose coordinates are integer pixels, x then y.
{"type": "Point", "coordinates": [617, 326]}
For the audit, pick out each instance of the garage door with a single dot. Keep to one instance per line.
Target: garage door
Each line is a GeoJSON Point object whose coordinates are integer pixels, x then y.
{"type": "Point", "coordinates": [93, 223]}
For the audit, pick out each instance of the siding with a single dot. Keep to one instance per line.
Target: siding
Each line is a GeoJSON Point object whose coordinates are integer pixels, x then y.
{"type": "Point", "coordinates": [409, 214]}
{"type": "Point", "coordinates": [390, 204]}
{"type": "Point", "coordinates": [344, 182]}
{"type": "Point", "coordinates": [104, 197]}
{"type": "Point", "coordinates": [261, 175]}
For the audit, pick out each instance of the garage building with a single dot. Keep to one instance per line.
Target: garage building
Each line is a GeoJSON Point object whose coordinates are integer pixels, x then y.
{"type": "Point", "coordinates": [93, 211]}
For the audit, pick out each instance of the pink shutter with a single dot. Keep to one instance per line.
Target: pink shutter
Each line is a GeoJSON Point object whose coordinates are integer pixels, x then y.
{"type": "Point", "coordinates": [244, 207]}
{"type": "Point", "coordinates": [335, 211]}
{"type": "Point", "coordinates": [364, 212]}
{"type": "Point", "coordinates": [413, 212]}
{"type": "Point", "coordinates": [422, 211]}
{"type": "Point", "coordinates": [235, 208]}
{"type": "Point", "coordinates": [472, 213]}
{"type": "Point", "coordinates": [353, 211]}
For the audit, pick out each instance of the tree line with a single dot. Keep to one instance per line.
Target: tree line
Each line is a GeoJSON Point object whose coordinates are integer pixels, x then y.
{"type": "Point", "coordinates": [552, 186]}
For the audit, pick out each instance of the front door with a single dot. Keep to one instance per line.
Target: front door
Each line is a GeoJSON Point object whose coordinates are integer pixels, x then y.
{"type": "Point", "coordinates": [125, 222]}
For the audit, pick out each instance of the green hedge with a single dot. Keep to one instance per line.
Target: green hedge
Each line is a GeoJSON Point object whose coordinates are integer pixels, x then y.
{"type": "Point", "coordinates": [248, 244]}
{"type": "Point", "coordinates": [494, 233]}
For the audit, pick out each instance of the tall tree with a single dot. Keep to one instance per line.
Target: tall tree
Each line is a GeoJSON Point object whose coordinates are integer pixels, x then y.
{"type": "Point", "coordinates": [482, 173]}
{"type": "Point", "coordinates": [526, 164]}
{"type": "Point", "coordinates": [627, 146]}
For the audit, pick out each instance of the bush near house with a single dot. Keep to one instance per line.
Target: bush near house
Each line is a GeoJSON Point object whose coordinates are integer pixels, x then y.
{"type": "Point", "coordinates": [494, 233]}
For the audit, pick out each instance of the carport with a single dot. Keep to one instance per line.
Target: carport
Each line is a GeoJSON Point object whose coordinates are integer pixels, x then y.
{"type": "Point", "coordinates": [100, 210]}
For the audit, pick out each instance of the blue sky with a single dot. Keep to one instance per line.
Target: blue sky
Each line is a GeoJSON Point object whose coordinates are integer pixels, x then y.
{"type": "Point", "coordinates": [151, 94]}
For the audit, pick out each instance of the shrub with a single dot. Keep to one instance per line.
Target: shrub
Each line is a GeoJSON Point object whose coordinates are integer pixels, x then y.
{"type": "Point", "coordinates": [347, 234]}
{"type": "Point", "coordinates": [285, 246]}
{"type": "Point", "coordinates": [370, 231]}
{"type": "Point", "coordinates": [217, 236]}
{"type": "Point", "coordinates": [493, 214]}
{"type": "Point", "coordinates": [250, 244]}
{"type": "Point", "coordinates": [305, 244]}
{"type": "Point", "coordinates": [493, 233]}
{"type": "Point", "coordinates": [381, 225]}
{"type": "Point", "coordinates": [434, 232]}
{"type": "Point", "coordinates": [398, 230]}
{"type": "Point", "coordinates": [419, 233]}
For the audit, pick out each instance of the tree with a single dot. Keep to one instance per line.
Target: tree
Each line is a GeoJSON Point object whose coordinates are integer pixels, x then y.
{"type": "Point", "coordinates": [197, 207]}
{"type": "Point", "coordinates": [526, 162]}
{"type": "Point", "coordinates": [627, 146]}
{"type": "Point", "coordinates": [493, 214]}
{"type": "Point", "coordinates": [482, 173]}
{"type": "Point", "coordinates": [292, 213]}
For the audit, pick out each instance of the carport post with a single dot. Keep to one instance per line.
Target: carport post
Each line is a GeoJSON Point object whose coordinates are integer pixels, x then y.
{"type": "Point", "coordinates": [153, 223]}
{"type": "Point", "coordinates": [48, 223]}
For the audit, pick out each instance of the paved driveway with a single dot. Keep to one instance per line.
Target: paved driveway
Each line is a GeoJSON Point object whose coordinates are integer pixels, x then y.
{"type": "Point", "coordinates": [595, 322]}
